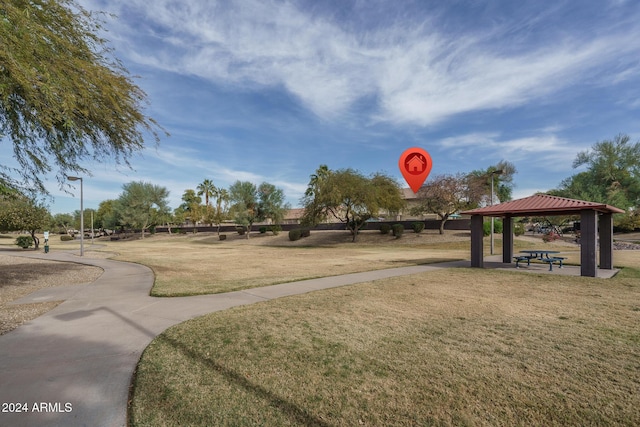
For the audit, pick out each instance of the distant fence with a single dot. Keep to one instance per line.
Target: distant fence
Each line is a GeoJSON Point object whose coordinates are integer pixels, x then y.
{"type": "Point", "coordinates": [429, 224]}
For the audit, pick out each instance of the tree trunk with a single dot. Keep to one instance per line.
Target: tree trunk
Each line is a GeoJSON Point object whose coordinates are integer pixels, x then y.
{"type": "Point", "coordinates": [442, 221]}
{"type": "Point", "coordinates": [36, 241]}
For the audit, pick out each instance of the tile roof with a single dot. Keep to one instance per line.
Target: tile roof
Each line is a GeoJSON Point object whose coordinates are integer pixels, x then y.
{"type": "Point", "coordinates": [542, 204]}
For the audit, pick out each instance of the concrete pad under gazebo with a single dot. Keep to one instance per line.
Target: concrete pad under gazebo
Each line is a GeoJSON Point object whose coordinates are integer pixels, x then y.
{"type": "Point", "coordinates": [596, 225]}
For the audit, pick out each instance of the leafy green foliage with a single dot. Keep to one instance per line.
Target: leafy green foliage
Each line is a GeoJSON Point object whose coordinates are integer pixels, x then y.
{"type": "Point", "coordinates": [398, 230]}
{"type": "Point", "coordinates": [207, 189]}
{"type": "Point", "coordinates": [295, 234]}
{"type": "Point", "coordinates": [24, 241]}
{"type": "Point", "coordinates": [612, 176]}
{"type": "Point", "coordinates": [417, 227]}
{"type": "Point", "coordinates": [142, 205]}
{"type": "Point", "coordinates": [349, 197]}
{"type": "Point", "coordinates": [221, 209]}
{"type": "Point", "coordinates": [21, 213]}
{"type": "Point", "coordinates": [252, 204]}
{"type": "Point", "coordinates": [275, 229]}
{"type": "Point", "coordinates": [245, 208]}
{"type": "Point", "coordinates": [62, 221]}
{"type": "Point", "coordinates": [502, 173]}
{"type": "Point", "coordinates": [63, 98]}
{"type": "Point", "coordinates": [105, 215]}
{"type": "Point", "coordinates": [385, 228]}
{"type": "Point", "coordinates": [189, 209]}
{"type": "Point", "coordinates": [497, 227]}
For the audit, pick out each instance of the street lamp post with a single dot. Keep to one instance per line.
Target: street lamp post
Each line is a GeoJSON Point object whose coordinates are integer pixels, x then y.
{"type": "Point", "coordinates": [77, 178]}
{"type": "Point", "coordinates": [496, 172]}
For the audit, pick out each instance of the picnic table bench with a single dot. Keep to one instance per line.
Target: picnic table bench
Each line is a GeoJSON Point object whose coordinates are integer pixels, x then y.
{"type": "Point", "coordinates": [551, 260]}
{"type": "Point", "coordinates": [541, 256]}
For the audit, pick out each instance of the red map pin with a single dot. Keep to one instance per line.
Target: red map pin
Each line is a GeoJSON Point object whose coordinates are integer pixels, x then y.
{"type": "Point", "coordinates": [415, 165]}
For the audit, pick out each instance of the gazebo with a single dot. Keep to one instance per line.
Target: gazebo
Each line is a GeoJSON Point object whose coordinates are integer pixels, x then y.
{"type": "Point", "coordinates": [596, 225]}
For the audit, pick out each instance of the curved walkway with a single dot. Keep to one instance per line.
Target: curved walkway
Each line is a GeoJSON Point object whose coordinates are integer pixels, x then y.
{"type": "Point", "coordinates": [73, 365]}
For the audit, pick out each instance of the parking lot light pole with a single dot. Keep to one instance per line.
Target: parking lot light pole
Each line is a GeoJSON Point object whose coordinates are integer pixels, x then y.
{"type": "Point", "coordinates": [496, 172]}
{"type": "Point", "coordinates": [77, 178]}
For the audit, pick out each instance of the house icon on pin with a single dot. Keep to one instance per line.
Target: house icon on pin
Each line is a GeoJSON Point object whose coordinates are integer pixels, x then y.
{"type": "Point", "coordinates": [416, 164]}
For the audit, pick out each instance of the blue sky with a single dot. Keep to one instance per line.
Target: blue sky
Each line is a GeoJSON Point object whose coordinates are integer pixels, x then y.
{"type": "Point", "coordinates": [269, 90]}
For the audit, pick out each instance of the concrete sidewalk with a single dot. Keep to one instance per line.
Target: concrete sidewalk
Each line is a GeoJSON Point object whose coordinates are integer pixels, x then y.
{"type": "Point", "coordinates": [73, 365]}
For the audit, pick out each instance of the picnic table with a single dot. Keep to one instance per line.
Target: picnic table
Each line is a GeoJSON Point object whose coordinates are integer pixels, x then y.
{"type": "Point", "coordinates": [541, 255]}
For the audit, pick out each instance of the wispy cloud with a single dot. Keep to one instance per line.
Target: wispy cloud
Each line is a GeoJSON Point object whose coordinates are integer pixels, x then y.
{"type": "Point", "coordinates": [418, 73]}
{"type": "Point", "coordinates": [544, 150]}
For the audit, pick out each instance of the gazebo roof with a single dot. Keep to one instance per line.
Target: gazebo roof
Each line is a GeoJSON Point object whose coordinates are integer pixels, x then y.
{"type": "Point", "coordinates": [542, 204]}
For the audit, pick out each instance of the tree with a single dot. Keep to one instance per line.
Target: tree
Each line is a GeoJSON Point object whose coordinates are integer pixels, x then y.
{"type": "Point", "coordinates": [63, 97]}
{"type": "Point", "coordinates": [445, 195]}
{"type": "Point", "coordinates": [221, 210]}
{"type": "Point", "coordinates": [612, 176]}
{"type": "Point", "coordinates": [207, 189]}
{"type": "Point", "coordinates": [190, 208]}
{"type": "Point", "coordinates": [142, 205]}
{"type": "Point", "coordinates": [21, 213]}
{"type": "Point", "coordinates": [87, 218]}
{"type": "Point", "coordinates": [271, 203]}
{"type": "Point", "coordinates": [349, 197]}
{"type": "Point", "coordinates": [503, 182]}
{"type": "Point", "coordinates": [253, 204]}
{"type": "Point", "coordinates": [244, 196]}
{"type": "Point", "coordinates": [105, 215]}
{"type": "Point", "coordinates": [62, 220]}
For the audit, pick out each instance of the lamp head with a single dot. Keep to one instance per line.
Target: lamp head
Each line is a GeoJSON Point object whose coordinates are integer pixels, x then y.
{"type": "Point", "coordinates": [74, 178]}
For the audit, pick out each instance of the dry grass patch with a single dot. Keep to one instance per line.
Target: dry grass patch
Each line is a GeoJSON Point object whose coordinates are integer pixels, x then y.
{"type": "Point", "coordinates": [450, 347]}
{"type": "Point", "coordinates": [202, 264]}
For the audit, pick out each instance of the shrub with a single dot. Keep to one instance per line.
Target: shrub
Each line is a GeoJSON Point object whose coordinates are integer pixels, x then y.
{"type": "Point", "coordinates": [222, 237]}
{"type": "Point", "coordinates": [550, 237]}
{"type": "Point", "coordinates": [275, 229]}
{"type": "Point", "coordinates": [417, 227]}
{"type": "Point", "coordinates": [518, 229]}
{"type": "Point", "coordinates": [497, 227]}
{"type": "Point", "coordinates": [385, 228]}
{"type": "Point", "coordinates": [262, 229]}
{"type": "Point", "coordinates": [240, 230]}
{"type": "Point", "coordinates": [305, 232]}
{"type": "Point", "coordinates": [66, 238]}
{"type": "Point", "coordinates": [24, 241]}
{"type": "Point", "coordinates": [295, 235]}
{"type": "Point", "coordinates": [398, 230]}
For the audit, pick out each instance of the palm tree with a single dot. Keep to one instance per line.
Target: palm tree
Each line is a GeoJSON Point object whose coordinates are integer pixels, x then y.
{"type": "Point", "coordinates": [222, 206]}
{"type": "Point", "coordinates": [207, 189]}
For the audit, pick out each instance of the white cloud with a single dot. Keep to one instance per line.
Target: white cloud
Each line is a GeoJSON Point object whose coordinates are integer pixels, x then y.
{"type": "Point", "coordinates": [420, 75]}
{"type": "Point", "coordinates": [545, 150]}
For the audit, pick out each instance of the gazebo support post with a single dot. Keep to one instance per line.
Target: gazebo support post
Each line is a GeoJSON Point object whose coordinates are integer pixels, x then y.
{"type": "Point", "coordinates": [588, 243]}
{"type": "Point", "coordinates": [507, 239]}
{"type": "Point", "coordinates": [477, 241]}
{"type": "Point", "coordinates": [606, 241]}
